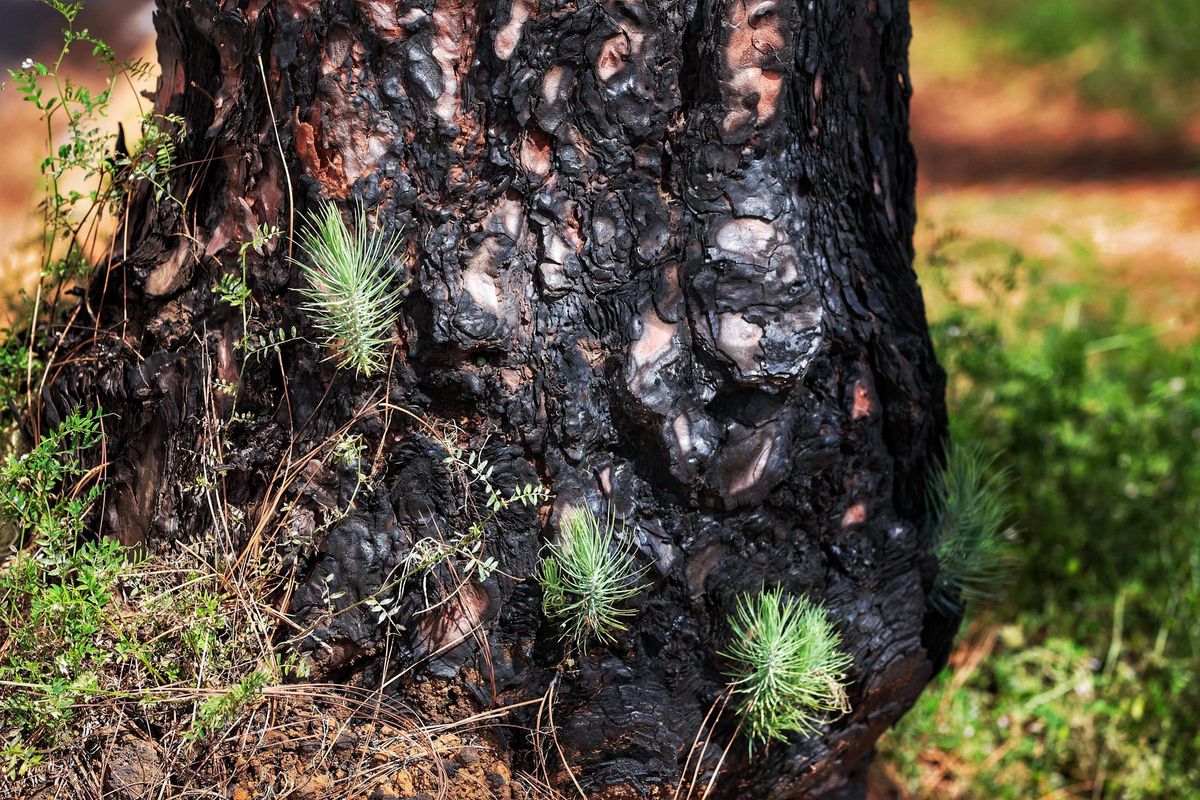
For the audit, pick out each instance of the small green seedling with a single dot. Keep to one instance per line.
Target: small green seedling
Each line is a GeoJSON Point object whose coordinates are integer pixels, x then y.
{"type": "Point", "coordinates": [350, 293]}
{"type": "Point", "coordinates": [967, 532]}
{"type": "Point", "coordinates": [587, 575]}
{"type": "Point", "coordinates": [790, 673]}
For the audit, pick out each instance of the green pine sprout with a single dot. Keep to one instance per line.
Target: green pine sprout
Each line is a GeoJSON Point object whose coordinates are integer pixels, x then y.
{"type": "Point", "coordinates": [790, 674]}
{"type": "Point", "coordinates": [586, 576]}
{"type": "Point", "coordinates": [967, 532]}
{"type": "Point", "coordinates": [349, 295]}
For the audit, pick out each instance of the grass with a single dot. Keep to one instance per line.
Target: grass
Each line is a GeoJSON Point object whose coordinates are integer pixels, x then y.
{"type": "Point", "coordinates": [54, 601]}
{"type": "Point", "coordinates": [789, 671]}
{"type": "Point", "coordinates": [99, 643]}
{"type": "Point", "coordinates": [1081, 679]}
{"type": "Point", "coordinates": [586, 577]}
{"type": "Point", "coordinates": [89, 629]}
{"type": "Point", "coordinates": [350, 295]}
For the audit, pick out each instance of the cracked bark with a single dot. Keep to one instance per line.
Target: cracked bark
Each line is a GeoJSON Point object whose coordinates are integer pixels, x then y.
{"type": "Point", "coordinates": [660, 259]}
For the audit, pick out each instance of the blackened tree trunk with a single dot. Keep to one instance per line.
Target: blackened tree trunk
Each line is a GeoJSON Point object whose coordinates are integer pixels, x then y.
{"type": "Point", "coordinates": [659, 255]}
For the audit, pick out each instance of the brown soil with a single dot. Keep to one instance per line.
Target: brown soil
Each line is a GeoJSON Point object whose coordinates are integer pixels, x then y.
{"type": "Point", "coordinates": [367, 761]}
{"type": "Point", "coordinates": [317, 750]}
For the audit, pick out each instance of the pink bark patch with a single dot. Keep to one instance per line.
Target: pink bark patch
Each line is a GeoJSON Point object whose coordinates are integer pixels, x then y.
{"type": "Point", "coordinates": [452, 623]}
{"type": "Point", "coordinates": [535, 154]}
{"type": "Point", "coordinates": [510, 35]}
{"type": "Point", "coordinates": [864, 402]}
{"type": "Point", "coordinates": [855, 515]}
{"type": "Point", "coordinates": [617, 51]}
{"type": "Point", "coordinates": [756, 35]}
{"type": "Point", "coordinates": [452, 19]}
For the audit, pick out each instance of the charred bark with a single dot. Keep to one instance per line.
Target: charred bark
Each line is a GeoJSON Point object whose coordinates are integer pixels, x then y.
{"type": "Point", "coordinates": [660, 260]}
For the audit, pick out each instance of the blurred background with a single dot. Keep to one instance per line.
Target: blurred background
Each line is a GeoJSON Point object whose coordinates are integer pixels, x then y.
{"type": "Point", "coordinates": [1059, 250]}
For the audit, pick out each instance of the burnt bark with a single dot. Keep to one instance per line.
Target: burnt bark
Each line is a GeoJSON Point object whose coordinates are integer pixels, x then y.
{"type": "Point", "coordinates": [660, 260]}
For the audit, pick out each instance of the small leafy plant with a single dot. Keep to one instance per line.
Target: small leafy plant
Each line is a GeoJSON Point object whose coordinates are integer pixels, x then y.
{"type": "Point", "coordinates": [234, 290]}
{"type": "Point", "coordinates": [790, 672]}
{"type": "Point", "coordinates": [968, 534]}
{"type": "Point", "coordinates": [86, 624]}
{"type": "Point", "coordinates": [586, 576]}
{"type": "Point", "coordinates": [34, 486]}
{"type": "Point", "coordinates": [54, 600]}
{"type": "Point", "coordinates": [465, 552]}
{"type": "Point", "coordinates": [83, 150]}
{"type": "Point", "coordinates": [350, 294]}
{"type": "Point", "coordinates": [217, 713]}
{"type": "Point", "coordinates": [87, 150]}
{"type": "Point", "coordinates": [14, 359]}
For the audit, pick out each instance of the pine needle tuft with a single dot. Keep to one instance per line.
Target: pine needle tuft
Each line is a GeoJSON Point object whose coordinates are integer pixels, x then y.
{"type": "Point", "coordinates": [586, 576]}
{"type": "Point", "coordinates": [967, 531]}
{"type": "Point", "coordinates": [790, 674]}
{"type": "Point", "coordinates": [349, 295]}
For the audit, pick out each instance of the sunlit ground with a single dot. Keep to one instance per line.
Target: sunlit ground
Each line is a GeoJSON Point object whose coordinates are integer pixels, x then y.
{"type": "Point", "coordinates": [1011, 153]}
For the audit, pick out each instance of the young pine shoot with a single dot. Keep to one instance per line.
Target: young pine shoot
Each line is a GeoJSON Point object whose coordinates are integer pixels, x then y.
{"type": "Point", "coordinates": [586, 576]}
{"type": "Point", "coordinates": [349, 293]}
{"type": "Point", "coordinates": [967, 530]}
{"type": "Point", "coordinates": [790, 674]}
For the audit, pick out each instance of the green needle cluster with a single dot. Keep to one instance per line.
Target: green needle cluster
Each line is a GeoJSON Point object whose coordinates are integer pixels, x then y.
{"type": "Point", "coordinates": [967, 512]}
{"type": "Point", "coordinates": [790, 672]}
{"type": "Point", "coordinates": [586, 575]}
{"type": "Point", "coordinates": [349, 295]}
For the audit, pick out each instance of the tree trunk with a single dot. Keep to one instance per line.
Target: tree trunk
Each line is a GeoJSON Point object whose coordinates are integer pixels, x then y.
{"type": "Point", "coordinates": [659, 256]}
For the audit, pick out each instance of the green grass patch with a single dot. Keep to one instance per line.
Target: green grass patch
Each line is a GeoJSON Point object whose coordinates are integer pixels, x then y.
{"type": "Point", "coordinates": [1141, 56]}
{"type": "Point", "coordinates": [1087, 678]}
{"type": "Point", "coordinates": [91, 631]}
